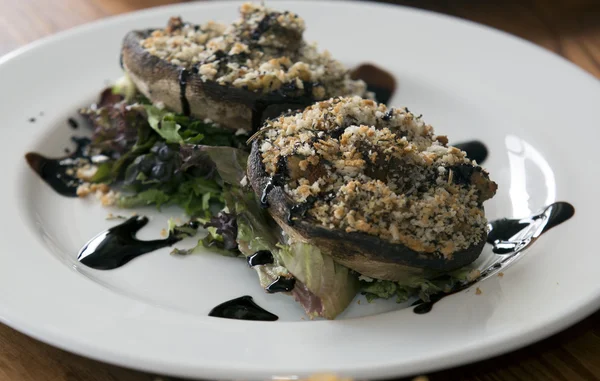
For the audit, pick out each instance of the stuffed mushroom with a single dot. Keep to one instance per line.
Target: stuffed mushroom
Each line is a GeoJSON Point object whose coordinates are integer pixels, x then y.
{"type": "Point", "coordinates": [236, 75]}
{"type": "Point", "coordinates": [373, 187]}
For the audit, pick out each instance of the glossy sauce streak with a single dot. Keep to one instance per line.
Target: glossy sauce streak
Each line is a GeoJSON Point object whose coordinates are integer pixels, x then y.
{"type": "Point", "coordinates": [299, 210]}
{"type": "Point", "coordinates": [509, 238]}
{"type": "Point", "coordinates": [72, 123]}
{"type": "Point", "coordinates": [242, 308]}
{"type": "Point", "coordinates": [118, 245]}
{"type": "Point", "coordinates": [54, 171]}
{"type": "Point", "coordinates": [185, 105]}
{"type": "Point", "coordinates": [475, 150]}
{"type": "Point", "coordinates": [264, 197]}
{"type": "Point", "coordinates": [276, 180]}
{"type": "Point", "coordinates": [261, 257]}
{"type": "Point", "coordinates": [281, 284]}
{"type": "Point", "coordinates": [379, 81]}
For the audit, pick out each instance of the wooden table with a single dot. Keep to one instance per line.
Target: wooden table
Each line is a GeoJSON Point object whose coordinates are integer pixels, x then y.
{"type": "Point", "coordinates": [570, 28]}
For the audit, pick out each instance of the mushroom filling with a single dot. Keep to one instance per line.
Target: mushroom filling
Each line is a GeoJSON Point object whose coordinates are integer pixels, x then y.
{"type": "Point", "coordinates": [263, 51]}
{"type": "Point", "coordinates": [354, 165]}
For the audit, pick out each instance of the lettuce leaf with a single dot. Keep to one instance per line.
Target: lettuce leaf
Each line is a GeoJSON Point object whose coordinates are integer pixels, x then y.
{"type": "Point", "coordinates": [196, 196]}
{"type": "Point", "coordinates": [386, 289]}
{"type": "Point", "coordinates": [162, 121]}
{"type": "Point", "coordinates": [334, 285]}
{"type": "Point", "coordinates": [419, 287]}
{"type": "Point", "coordinates": [125, 87]}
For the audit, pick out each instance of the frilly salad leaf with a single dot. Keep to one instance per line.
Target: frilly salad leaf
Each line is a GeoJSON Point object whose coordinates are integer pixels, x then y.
{"type": "Point", "coordinates": [125, 87]}
{"type": "Point", "coordinates": [420, 287]}
{"type": "Point", "coordinates": [134, 134]}
{"type": "Point", "coordinates": [332, 285]}
{"type": "Point", "coordinates": [196, 196]}
{"type": "Point", "coordinates": [162, 121]}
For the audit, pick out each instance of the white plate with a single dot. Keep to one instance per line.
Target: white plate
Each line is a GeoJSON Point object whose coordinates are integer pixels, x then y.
{"type": "Point", "coordinates": [470, 82]}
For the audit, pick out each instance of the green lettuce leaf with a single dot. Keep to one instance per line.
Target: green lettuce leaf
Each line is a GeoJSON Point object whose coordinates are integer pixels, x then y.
{"type": "Point", "coordinates": [196, 196]}
{"type": "Point", "coordinates": [162, 121]}
{"type": "Point", "coordinates": [386, 289]}
{"type": "Point", "coordinates": [334, 285]}
{"type": "Point", "coordinates": [419, 287]}
{"type": "Point", "coordinates": [124, 86]}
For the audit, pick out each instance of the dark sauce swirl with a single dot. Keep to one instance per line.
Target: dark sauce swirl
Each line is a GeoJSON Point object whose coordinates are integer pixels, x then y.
{"type": "Point", "coordinates": [59, 173]}
{"type": "Point", "coordinates": [261, 257]}
{"type": "Point", "coordinates": [475, 150]}
{"type": "Point", "coordinates": [118, 245]}
{"type": "Point", "coordinates": [242, 308]}
{"type": "Point", "coordinates": [508, 237]}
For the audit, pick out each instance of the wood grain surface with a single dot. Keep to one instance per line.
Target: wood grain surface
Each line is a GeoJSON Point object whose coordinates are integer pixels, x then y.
{"type": "Point", "coordinates": [570, 28]}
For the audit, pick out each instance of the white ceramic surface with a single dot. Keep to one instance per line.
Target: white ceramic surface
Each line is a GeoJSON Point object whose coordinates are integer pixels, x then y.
{"type": "Point", "coordinates": [470, 82]}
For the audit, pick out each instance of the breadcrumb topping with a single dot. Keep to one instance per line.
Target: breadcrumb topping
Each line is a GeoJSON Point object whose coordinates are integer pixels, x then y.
{"type": "Point", "coordinates": [262, 51]}
{"type": "Point", "coordinates": [362, 167]}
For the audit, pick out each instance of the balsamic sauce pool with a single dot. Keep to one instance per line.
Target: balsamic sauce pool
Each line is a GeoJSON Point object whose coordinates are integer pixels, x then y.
{"type": "Point", "coordinates": [59, 173]}
{"type": "Point", "coordinates": [118, 245]}
{"type": "Point", "coordinates": [242, 308]}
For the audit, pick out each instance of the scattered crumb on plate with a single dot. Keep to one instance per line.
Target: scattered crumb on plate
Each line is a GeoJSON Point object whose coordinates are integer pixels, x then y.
{"type": "Point", "coordinates": [478, 291]}
{"type": "Point", "coordinates": [111, 216]}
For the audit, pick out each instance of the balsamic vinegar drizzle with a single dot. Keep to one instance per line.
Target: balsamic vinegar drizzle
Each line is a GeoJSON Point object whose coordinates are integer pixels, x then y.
{"type": "Point", "coordinates": [261, 257]}
{"type": "Point", "coordinates": [242, 308]}
{"type": "Point", "coordinates": [54, 171]}
{"type": "Point", "coordinates": [502, 232]}
{"type": "Point", "coordinates": [276, 180]}
{"type": "Point", "coordinates": [264, 200]}
{"type": "Point", "coordinates": [185, 104]}
{"type": "Point", "coordinates": [475, 150]}
{"type": "Point", "coordinates": [281, 284]}
{"type": "Point", "coordinates": [73, 123]}
{"type": "Point", "coordinates": [509, 238]}
{"type": "Point", "coordinates": [118, 245]}
{"type": "Point", "coordinates": [379, 81]}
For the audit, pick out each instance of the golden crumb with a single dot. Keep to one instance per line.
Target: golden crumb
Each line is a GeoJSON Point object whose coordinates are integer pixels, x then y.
{"type": "Point", "coordinates": [379, 171]}
{"type": "Point", "coordinates": [163, 233]}
{"type": "Point", "coordinates": [420, 378]}
{"type": "Point", "coordinates": [500, 274]}
{"type": "Point", "coordinates": [358, 302]}
{"type": "Point", "coordinates": [109, 198]}
{"type": "Point", "coordinates": [102, 188]}
{"type": "Point", "coordinates": [478, 291]}
{"type": "Point", "coordinates": [83, 190]}
{"type": "Point", "coordinates": [87, 172]}
{"type": "Point", "coordinates": [473, 274]}
{"type": "Point", "coordinates": [262, 51]}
